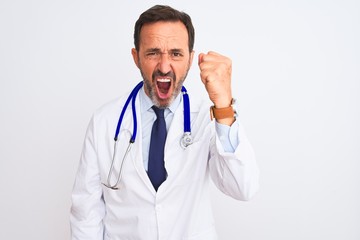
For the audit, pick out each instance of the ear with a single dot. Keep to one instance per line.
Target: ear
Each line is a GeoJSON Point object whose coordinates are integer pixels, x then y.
{"type": "Point", "coordinates": [135, 56]}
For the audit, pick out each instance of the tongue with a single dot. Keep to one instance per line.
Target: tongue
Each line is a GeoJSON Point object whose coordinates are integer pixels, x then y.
{"type": "Point", "coordinates": [163, 86]}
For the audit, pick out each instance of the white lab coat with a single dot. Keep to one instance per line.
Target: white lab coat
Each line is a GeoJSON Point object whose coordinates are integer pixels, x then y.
{"type": "Point", "coordinates": [180, 209]}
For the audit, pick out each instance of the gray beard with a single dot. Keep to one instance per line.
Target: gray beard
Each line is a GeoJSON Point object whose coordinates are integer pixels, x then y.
{"type": "Point", "coordinates": [152, 94]}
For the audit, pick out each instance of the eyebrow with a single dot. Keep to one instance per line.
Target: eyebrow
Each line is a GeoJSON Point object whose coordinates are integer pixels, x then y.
{"type": "Point", "coordinates": [153, 50]}
{"type": "Point", "coordinates": [176, 50]}
{"type": "Point", "coordinates": [159, 50]}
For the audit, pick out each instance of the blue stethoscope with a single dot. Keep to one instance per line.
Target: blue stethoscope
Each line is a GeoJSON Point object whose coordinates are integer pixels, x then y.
{"type": "Point", "coordinates": [185, 141]}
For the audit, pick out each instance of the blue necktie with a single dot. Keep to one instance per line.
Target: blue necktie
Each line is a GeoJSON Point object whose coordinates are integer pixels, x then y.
{"type": "Point", "coordinates": [156, 167]}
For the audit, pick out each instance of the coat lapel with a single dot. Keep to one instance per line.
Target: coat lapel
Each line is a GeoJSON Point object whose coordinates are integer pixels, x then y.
{"type": "Point", "coordinates": [136, 152]}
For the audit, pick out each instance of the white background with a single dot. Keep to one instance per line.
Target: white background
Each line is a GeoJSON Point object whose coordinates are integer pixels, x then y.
{"type": "Point", "coordinates": [296, 74]}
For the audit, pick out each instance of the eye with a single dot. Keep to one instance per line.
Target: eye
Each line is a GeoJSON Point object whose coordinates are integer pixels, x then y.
{"type": "Point", "coordinates": [177, 54]}
{"type": "Point", "coordinates": [152, 53]}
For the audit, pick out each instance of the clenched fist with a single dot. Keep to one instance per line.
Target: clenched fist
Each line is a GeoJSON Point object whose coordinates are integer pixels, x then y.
{"type": "Point", "coordinates": [215, 73]}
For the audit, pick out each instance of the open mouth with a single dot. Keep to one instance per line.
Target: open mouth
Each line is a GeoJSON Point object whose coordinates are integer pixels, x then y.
{"type": "Point", "coordinates": [163, 87]}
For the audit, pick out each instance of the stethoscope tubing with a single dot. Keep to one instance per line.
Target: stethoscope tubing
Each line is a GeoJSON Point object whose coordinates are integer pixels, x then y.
{"type": "Point", "coordinates": [185, 141]}
{"type": "Point", "coordinates": [132, 96]}
{"type": "Point", "coordinates": [187, 124]}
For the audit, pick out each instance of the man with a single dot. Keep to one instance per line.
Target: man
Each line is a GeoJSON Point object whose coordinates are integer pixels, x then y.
{"type": "Point", "coordinates": [142, 193]}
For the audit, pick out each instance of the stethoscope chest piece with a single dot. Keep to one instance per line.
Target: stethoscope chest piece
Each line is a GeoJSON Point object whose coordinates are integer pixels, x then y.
{"type": "Point", "coordinates": [186, 140]}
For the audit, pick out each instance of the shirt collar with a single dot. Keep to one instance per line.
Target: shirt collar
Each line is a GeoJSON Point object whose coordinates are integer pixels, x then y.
{"type": "Point", "coordinates": [146, 103]}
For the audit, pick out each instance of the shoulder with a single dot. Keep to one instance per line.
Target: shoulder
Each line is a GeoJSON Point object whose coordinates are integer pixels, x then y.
{"type": "Point", "coordinates": [200, 110]}
{"type": "Point", "coordinates": [110, 110]}
{"type": "Point", "coordinates": [199, 103]}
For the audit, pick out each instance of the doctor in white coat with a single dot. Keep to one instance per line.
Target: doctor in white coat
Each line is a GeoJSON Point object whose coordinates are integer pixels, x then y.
{"type": "Point", "coordinates": [180, 207]}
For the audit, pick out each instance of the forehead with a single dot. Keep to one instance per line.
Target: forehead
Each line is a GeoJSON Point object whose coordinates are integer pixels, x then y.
{"type": "Point", "coordinates": [164, 34]}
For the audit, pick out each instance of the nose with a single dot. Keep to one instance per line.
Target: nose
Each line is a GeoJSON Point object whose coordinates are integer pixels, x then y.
{"type": "Point", "coordinates": [164, 63]}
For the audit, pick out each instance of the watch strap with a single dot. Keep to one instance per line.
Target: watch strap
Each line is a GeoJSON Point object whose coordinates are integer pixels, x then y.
{"type": "Point", "coordinates": [221, 113]}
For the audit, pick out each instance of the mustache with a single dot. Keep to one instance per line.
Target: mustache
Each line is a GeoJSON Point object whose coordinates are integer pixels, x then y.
{"type": "Point", "coordinates": [169, 74]}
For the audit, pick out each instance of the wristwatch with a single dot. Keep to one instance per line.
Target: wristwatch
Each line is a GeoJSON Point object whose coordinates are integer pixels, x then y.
{"type": "Point", "coordinates": [221, 113]}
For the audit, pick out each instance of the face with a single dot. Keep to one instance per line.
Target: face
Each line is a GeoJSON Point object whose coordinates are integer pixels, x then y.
{"type": "Point", "coordinates": [163, 59]}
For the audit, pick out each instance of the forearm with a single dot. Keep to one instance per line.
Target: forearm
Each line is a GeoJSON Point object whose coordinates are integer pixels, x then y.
{"type": "Point", "coordinates": [236, 174]}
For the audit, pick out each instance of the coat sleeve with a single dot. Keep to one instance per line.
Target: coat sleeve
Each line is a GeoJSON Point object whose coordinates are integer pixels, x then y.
{"type": "Point", "coordinates": [235, 174]}
{"type": "Point", "coordinates": [88, 208]}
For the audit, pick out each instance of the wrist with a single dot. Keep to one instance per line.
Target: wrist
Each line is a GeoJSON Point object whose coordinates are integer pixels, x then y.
{"type": "Point", "coordinates": [224, 115]}
{"type": "Point", "coordinates": [223, 103]}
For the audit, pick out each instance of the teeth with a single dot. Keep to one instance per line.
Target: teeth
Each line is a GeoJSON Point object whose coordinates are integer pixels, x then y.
{"type": "Point", "coordinates": [163, 80]}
